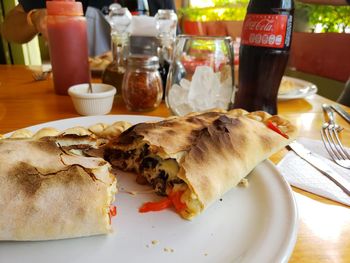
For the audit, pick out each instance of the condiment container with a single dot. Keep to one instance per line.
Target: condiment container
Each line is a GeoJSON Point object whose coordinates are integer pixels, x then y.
{"type": "Point", "coordinates": [120, 19]}
{"type": "Point", "coordinates": [99, 102]}
{"type": "Point", "coordinates": [68, 44]}
{"type": "Point", "coordinates": [142, 88]}
{"type": "Point", "coordinates": [166, 24]}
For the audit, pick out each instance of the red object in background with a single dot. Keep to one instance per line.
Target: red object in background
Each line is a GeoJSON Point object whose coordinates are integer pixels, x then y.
{"type": "Point", "coordinates": [193, 28]}
{"type": "Point", "coordinates": [68, 44]}
{"type": "Point", "coordinates": [264, 52]}
{"type": "Point", "coordinates": [190, 63]}
{"type": "Point", "coordinates": [322, 54]}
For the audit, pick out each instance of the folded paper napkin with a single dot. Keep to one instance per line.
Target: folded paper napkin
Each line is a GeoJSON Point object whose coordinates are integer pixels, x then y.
{"type": "Point", "coordinates": [301, 174]}
{"type": "Point", "coordinates": [143, 26]}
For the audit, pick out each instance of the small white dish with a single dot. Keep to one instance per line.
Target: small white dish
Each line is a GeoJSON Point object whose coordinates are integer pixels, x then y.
{"type": "Point", "coordinates": [99, 102]}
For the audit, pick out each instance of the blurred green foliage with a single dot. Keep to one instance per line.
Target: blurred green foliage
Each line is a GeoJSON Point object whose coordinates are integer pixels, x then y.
{"type": "Point", "coordinates": [320, 18]}
{"type": "Point", "coordinates": [324, 18]}
{"type": "Point", "coordinates": [224, 10]}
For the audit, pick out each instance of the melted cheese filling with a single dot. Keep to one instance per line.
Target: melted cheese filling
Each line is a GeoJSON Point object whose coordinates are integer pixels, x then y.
{"type": "Point", "coordinates": [160, 172]}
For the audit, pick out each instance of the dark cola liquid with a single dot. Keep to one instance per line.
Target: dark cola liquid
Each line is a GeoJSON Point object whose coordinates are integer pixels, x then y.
{"type": "Point", "coordinates": [260, 74]}
{"type": "Point", "coordinates": [163, 71]}
{"type": "Point", "coordinates": [261, 67]}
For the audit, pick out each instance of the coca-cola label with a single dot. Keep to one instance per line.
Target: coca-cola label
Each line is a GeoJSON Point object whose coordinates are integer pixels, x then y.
{"type": "Point", "coordinates": [265, 30]}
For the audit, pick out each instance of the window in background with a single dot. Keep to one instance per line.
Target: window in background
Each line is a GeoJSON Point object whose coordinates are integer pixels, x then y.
{"type": "Point", "coordinates": [202, 3]}
{"type": "Point", "coordinates": [324, 18]}
{"type": "Point", "coordinates": [215, 10]}
{"type": "Point", "coordinates": [27, 54]}
{"type": "Point", "coordinates": [309, 18]}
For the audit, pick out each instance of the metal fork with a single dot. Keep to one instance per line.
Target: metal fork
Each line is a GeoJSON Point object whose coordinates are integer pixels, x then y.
{"type": "Point", "coordinates": [331, 141]}
{"type": "Point", "coordinates": [40, 75]}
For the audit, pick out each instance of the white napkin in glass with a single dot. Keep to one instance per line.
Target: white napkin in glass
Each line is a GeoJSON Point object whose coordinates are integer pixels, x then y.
{"type": "Point", "coordinates": [301, 174]}
{"type": "Point", "coordinates": [143, 26]}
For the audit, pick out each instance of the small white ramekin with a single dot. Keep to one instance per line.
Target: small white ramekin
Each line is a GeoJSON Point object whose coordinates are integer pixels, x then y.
{"type": "Point", "coordinates": [97, 103]}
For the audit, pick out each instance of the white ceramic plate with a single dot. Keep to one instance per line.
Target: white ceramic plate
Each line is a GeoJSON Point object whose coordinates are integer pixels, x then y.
{"type": "Point", "coordinates": [297, 88]}
{"type": "Point", "coordinates": [253, 224]}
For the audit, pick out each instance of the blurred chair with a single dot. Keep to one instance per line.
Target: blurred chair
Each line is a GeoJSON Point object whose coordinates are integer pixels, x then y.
{"type": "Point", "coordinates": [325, 54]}
{"type": "Point", "coordinates": [344, 98]}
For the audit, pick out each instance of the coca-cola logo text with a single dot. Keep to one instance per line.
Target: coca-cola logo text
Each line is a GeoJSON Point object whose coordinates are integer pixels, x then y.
{"type": "Point", "coordinates": [265, 30]}
{"type": "Point", "coordinates": [265, 25]}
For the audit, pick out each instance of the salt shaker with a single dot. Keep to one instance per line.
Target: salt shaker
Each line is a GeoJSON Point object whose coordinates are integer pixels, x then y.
{"type": "Point", "coordinates": [142, 88]}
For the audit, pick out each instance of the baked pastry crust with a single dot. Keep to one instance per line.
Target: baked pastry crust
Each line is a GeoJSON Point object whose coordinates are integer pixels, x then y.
{"type": "Point", "coordinates": [48, 192]}
{"type": "Point", "coordinates": [213, 151]}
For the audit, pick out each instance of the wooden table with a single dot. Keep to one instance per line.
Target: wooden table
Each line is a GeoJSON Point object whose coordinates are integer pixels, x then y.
{"type": "Point", "coordinates": [324, 225]}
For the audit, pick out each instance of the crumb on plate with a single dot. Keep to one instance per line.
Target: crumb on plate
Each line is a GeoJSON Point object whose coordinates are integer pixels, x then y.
{"type": "Point", "coordinates": [244, 182]}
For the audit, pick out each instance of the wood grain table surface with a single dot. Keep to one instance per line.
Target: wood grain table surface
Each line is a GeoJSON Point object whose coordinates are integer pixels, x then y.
{"type": "Point", "coordinates": [324, 225]}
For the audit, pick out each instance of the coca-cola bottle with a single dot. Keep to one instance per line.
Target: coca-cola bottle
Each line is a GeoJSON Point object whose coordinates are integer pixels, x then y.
{"type": "Point", "coordinates": [264, 52]}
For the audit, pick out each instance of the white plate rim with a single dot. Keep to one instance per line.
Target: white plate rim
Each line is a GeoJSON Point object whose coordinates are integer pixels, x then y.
{"type": "Point", "coordinates": [287, 245]}
{"type": "Point", "coordinates": [311, 89]}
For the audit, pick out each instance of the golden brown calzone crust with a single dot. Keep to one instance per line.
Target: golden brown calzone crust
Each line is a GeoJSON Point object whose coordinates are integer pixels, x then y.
{"type": "Point", "coordinates": [215, 150]}
{"type": "Point", "coordinates": [47, 193]}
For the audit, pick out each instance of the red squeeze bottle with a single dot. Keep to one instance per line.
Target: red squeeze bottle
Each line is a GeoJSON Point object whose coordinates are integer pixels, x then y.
{"type": "Point", "coordinates": [68, 44]}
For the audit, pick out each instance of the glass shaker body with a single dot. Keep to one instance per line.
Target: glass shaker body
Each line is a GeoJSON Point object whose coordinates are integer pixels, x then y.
{"type": "Point", "coordinates": [142, 85]}
{"type": "Point", "coordinates": [166, 24]}
{"type": "Point", "coordinates": [114, 72]}
{"type": "Point", "coordinates": [120, 20]}
{"type": "Point", "coordinates": [68, 44]}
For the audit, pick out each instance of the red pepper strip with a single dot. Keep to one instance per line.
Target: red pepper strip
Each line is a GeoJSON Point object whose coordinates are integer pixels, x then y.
{"type": "Point", "coordinates": [112, 212]}
{"type": "Point", "coordinates": [175, 198]}
{"type": "Point", "coordinates": [155, 206]}
{"type": "Point", "coordinates": [274, 127]}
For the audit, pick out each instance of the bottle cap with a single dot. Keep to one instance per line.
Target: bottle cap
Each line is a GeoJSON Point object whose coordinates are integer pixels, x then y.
{"type": "Point", "coordinates": [64, 8]}
{"type": "Point", "coordinates": [143, 61]}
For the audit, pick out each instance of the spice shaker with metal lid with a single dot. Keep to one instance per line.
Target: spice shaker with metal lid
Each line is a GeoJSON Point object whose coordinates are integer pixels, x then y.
{"type": "Point", "coordinates": [142, 88]}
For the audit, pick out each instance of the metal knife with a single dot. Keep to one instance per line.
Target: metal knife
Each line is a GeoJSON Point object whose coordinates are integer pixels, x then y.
{"type": "Point", "coordinates": [320, 165]}
{"type": "Point", "coordinates": [341, 112]}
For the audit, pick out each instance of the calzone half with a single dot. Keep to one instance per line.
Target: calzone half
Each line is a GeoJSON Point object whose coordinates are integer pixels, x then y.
{"type": "Point", "coordinates": [47, 192]}
{"type": "Point", "coordinates": [195, 159]}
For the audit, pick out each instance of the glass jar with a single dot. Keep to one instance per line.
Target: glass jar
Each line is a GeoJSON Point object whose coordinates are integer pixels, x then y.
{"type": "Point", "coordinates": [120, 20]}
{"type": "Point", "coordinates": [142, 88]}
{"type": "Point", "coordinates": [201, 75]}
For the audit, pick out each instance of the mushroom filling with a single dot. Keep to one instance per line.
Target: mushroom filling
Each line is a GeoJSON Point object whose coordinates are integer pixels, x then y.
{"type": "Point", "coordinates": [160, 173]}
{"type": "Point", "coordinates": [127, 160]}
